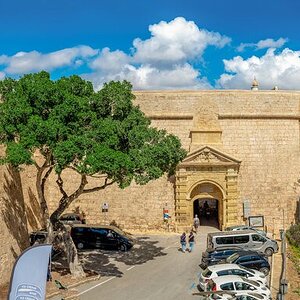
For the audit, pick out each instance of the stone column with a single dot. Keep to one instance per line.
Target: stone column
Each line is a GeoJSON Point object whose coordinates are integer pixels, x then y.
{"type": "Point", "coordinates": [181, 205]}
{"type": "Point", "coordinates": [231, 214]}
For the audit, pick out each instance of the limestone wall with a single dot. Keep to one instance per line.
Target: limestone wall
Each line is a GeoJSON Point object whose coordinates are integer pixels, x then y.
{"type": "Point", "coordinates": [259, 128]}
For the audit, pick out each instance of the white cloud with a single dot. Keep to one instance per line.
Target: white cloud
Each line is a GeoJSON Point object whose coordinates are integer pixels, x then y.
{"type": "Point", "coordinates": [282, 70]}
{"type": "Point", "coordinates": [24, 62]}
{"type": "Point", "coordinates": [148, 77]}
{"type": "Point", "coordinates": [163, 61]}
{"type": "Point", "coordinates": [110, 62]}
{"type": "Point", "coordinates": [174, 42]}
{"type": "Point", "coordinates": [160, 62]}
{"type": "Point", "coordinates": [2, 75]}
{"type": "Point", "coordinates": [262, 44]}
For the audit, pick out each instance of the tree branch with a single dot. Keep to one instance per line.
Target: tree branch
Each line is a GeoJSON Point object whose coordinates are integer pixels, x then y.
{"type": "Point", "coordinates": [60, 184]}
{"type": "Point", "coordinates": [80, 189]}
{"type": "Point", "coordinates": [98, 188]}
{"type": "Point", "coordinates": [44, 179]}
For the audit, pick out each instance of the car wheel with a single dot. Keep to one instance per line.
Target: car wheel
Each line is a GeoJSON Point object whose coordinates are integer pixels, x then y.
{"type": "Point", "coordinates": [264, 270]}
{"type": "Point", "coordinates": [123, 247]}
{"type": "Point", "coordinates": [269, 252]}
{"type": "Point", "coordinates": [80, 246]}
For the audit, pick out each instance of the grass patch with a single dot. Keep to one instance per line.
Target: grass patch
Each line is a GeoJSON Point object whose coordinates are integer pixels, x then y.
{"type": "Point", "coordinates": [294, 256]}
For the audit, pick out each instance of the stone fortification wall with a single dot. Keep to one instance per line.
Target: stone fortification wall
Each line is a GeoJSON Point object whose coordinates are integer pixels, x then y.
{"type": "Point", "coordinates": [13, 222]}
{"type": "Point", "coordinates": [259, 128]}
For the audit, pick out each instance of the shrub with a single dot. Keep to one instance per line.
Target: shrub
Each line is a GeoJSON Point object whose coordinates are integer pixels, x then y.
{"type": "Point", "coordinates": [293, 235]}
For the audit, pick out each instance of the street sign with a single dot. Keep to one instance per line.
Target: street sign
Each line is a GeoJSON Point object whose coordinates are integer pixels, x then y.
{"type": "Point", "coordinates": [105, 207]}
{"type": "Point", "coordinates": [246, 208]}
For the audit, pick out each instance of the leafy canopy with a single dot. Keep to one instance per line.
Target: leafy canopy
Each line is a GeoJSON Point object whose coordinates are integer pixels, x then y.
{"type": "Point", "coordinates": [92, 132]}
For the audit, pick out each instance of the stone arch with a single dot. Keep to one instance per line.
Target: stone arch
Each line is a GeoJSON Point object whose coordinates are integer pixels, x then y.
{"type": "Point", "coordinates": [211, 191]}
{"type": "Point", "coordinates": [203, 182]}
{"type": "Point", "coordinates": [210, 167]}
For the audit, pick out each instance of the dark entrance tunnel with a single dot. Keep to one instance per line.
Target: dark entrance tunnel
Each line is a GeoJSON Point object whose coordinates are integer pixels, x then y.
{"type": "Point", "coordinates": [207, 211]}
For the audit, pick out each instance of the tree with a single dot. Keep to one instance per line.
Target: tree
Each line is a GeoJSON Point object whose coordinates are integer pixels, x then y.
{"type": "Point", "coordinates": [91, 133]}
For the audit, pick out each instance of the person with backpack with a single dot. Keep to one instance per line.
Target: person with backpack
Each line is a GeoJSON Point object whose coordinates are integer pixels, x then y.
{"type": "Point", "coordinates": [183, 242]}
{"type": "Point", "coordinates": [191, 241]}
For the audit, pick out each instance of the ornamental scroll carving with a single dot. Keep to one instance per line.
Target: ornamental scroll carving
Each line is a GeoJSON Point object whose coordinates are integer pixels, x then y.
{"type": "Point", "coordinates": [206, 156]}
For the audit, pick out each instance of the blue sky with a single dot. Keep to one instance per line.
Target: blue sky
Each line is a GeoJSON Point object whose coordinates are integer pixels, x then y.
{"type": "Point", "coordinates": [191, 44]}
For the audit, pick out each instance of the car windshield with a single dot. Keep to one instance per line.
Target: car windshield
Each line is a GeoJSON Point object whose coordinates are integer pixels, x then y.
{"type": "Point", "coordinates": [251, 282]}
{"type": "Point", "coordinates": [206, 273]}
{"type": "Point", "coordinates": [120, 232]}
{"type": "Point", "coordinates": [232, 258]}
{"type": "Point", "coordinates": [247, 269]}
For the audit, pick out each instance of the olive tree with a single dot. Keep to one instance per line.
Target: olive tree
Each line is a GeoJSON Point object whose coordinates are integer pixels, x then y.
{"type": "Point", "coordinates": [91, 133]}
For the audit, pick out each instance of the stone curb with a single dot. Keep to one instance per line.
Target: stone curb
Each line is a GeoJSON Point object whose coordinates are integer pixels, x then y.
{"type": "Point", "coordinates": [74, 285]}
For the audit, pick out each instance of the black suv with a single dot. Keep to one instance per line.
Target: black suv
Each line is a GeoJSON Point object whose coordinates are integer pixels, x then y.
{"type": "Point", "coordinates": [249, 259]}
{"type": "Point", "coordinates": [213, 256]}
{"type": "Point", "coordinates": [100, 236]}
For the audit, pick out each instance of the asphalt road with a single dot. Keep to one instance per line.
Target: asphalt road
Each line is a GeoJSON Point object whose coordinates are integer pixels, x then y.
{"type": "Point", "coordinates": [154, 269]}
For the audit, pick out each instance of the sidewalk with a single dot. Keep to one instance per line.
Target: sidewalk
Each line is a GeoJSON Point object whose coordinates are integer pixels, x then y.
{"type": "Point", "coordinates": [276, 272]}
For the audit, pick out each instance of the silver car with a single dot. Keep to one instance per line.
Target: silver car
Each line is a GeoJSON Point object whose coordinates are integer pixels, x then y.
{"type": "Point", "coordinates": [245, 227]}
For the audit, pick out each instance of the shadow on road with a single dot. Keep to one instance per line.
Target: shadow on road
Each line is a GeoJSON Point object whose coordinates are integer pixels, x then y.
{"type": "Point", "coordinates": [102, 262]}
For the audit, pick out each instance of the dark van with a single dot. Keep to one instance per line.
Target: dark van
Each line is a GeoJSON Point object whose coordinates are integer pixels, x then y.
{"type": "Point", "coordinates": [101, 237]}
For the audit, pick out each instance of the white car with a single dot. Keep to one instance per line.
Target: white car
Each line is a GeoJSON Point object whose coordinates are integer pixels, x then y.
{"type": "Point", "coordinates": [237, 283]}
{"type": "Point", "coordinates": [239, 296]}
{"type": "Point", "coordinates": [229, 269]}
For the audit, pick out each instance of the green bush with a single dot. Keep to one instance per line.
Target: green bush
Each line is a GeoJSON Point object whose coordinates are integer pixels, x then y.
{"type": "Point", "coordinates": [293, 235]}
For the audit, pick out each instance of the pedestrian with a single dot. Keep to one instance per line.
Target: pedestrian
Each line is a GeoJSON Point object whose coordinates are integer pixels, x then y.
{"type": "Point", "coordinates": [191, 240]}
{"type": "Point", "coordinates": [183, 241]}
{"type": "Point", "coordinates": [196, 223]}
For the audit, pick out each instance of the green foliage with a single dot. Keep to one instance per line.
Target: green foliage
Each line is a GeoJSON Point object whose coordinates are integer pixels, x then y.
{"type": "Point", "coordinates": [93, 132]}
{"type": "Point", "coordinates": [293, 235]}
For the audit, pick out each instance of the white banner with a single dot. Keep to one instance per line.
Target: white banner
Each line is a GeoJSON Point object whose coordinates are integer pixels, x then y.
{"type": "Point", "coordinates": [29, 275]}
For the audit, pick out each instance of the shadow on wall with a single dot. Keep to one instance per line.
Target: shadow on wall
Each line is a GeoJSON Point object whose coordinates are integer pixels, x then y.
{"type": "Point", "coordinates": [13, 210]}
{"type": "Point", "coordinates": [33, 211]}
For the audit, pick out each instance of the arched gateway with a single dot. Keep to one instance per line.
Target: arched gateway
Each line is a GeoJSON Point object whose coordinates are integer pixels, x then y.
{"type": "Point", "coordinates": [207, 175]}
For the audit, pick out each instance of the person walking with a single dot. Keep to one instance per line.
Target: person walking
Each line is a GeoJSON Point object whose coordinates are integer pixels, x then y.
{"type": "Point", "coordinates": [196, 223]}
{"type": "Point", "coordinates": [183, 241]}
{"type": "Point", "coordinates": [191, 240]}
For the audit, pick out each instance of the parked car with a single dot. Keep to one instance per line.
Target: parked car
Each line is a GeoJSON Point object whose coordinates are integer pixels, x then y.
{"type": "Point", "coordinates": [72, 218]}
{"type": "Point", "coordinates": [213, 256]}
{"type": "Point", "coordinates": [237, 283]}
{"type": "Point", "coordinates": [229, 269]}
{"type": "Point", "coordinates": [245, 227]}
{"type": "Point", "coordinates": [239, 296]}
{"type": "Point", "coordinates": [100, 236]}
{"type": "Point", "coordinates": [249, 259]}
{"type": "Point", "coordinates": [248, 239]}
{"type": "Point", "coordinates": [37, 237]}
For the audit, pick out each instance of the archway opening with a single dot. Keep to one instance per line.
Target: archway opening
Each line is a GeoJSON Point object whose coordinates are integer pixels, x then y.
{"type": "Point", "coordinates": [207, 210]}
{"type": "Point", "coordinates": [207, 203]}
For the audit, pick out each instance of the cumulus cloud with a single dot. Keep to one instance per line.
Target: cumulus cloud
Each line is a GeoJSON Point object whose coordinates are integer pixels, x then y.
{"type": "Point", "coordinates": [262, 44]}
{"type": "Point", "coordinates": [161, 62]}
{"type": "Point", "coordinates": [149, 77]}
{"type": "Point", "coordinates": [25, 62]}
{"type": "Point", "coordinates": [176, 41]}
{"type": "Point", "coordinates": [281, 69]}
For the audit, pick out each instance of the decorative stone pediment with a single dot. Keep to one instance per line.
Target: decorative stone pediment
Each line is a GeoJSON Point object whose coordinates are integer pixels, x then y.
{"type": "Point", "coordinates": [209, 156]}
